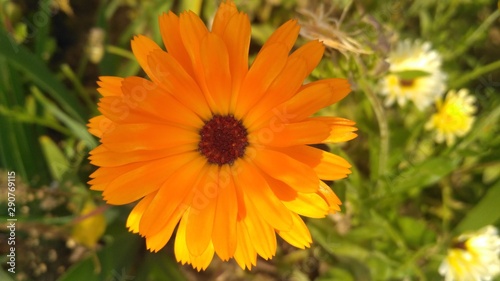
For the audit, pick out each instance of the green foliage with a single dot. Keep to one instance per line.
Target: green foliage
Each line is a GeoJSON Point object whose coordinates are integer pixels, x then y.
{"type": "Point", "coordinates": [407, 196]}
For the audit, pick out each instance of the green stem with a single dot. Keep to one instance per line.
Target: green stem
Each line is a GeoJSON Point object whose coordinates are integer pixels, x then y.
{"type": "Point", "coordinates": [383, 126]}
{"type": "Point", "coordinates": [68, 72]}
{"type": "Point", "coordinates": [120, 52]}
{"type": "Point", "coordinates": [476, 35]}
{"type": "Point", "coordinates": [475, 74]}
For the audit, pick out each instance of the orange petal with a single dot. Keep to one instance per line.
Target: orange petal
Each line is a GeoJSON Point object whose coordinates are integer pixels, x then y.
{"type": "Point", "coordinates": [142, 46]}
{"type": "Point", "coordinates": [282, 89]}
{"type": "Point", "coordinates": [171, 195]}
{"type": "Point", "coordinates": [104, 175]}
{"type": "Point", "coordinates": [237, 39]}
{"type": "Point", "coordinates": [215, 61]}
{"type": "Point", "coordinates": [263, 236]}
{"type": "Point", "coordinates": [341, 130]}
{"type": "Point", "coordinates": [315, 96]}
{"type": "Point", "coordinates": [327, 166]}
{"type": "Point", "coordinates": [124, 189]}
{"type": "Point", "coordinates": [299, 236]}
{"type": "Point", "coordinates": [267, 204]}
{"type": "Point", "coordinates": [135, 215]}
{"type": "Point", "coordinates": [330, 197]}
{"type": "Point", "coordinates": [226, 212]}
{"type": "Point", "coordinates": [110, 86]}
{"type": "Point", "coordinates": [103, 157]}
{"type": "Point", "coordinates": [144, 101]}
{"type": "Point", "coordinates": [192, 32]}
{"type": "Point", "coordinates": [100, 125]}
{"type": "Point", "coordinates": [306, 204]}
{"type": "Point", "coordinates": [130, 137]}
{"type": "Point", "coordinates": [311, 52]}
{"type": "Point", "coordinates": [245, 254]}
{"type": "Point", "coordinates": [169, 74]}
{"type": "Point", "coordinates": [286, 169]}
{"type": "Point", "coordinates": [171, 35]}
{"type": "Point", "coordinates": [202, 212]}
{"type": "Point", "coordinates": [285, 34]}
{"type": "Point", "coordinates": [181, 251]}
{"type": "Point", "coordinates": [267, 66]}
{"type": "Point", "coordinates": [283, 135]}
{"type": "Point", "coordinates": [222, 17]}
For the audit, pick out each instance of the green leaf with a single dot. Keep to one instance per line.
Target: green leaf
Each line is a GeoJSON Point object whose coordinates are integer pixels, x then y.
{"type": "Point", "coordinates": [56, 161]}
{"type": "Point", "coordinates": [4, 276]}
{"type": "Point", "coordinates": [484, 213]}
{"type": "Point", "coordinates": [36, 70]}
{"type": "Point", "coordinates": [158, 267]}
{"type": "Point", "coordinates": [410, 74]}
{"type": "Point", "coordinates": [422, 175]}
{"type": "Point", "coordinates": [77, 128]}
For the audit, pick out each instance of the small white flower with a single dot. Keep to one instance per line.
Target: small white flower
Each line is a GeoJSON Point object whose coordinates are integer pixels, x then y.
{"type": "Point", "coordinates": [473, 257]}
{"type": "Point", "coordinates": [414, 74]}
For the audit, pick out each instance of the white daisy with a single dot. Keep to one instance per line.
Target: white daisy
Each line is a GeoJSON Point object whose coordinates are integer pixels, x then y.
{"type": "Point", "coordinates": [414, 74]}
{"type": "Point", "coordinates": [473, 257]}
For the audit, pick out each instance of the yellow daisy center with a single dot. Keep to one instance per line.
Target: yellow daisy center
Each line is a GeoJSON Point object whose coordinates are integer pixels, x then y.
{"type": "Point", "coordinates": [223, 140]}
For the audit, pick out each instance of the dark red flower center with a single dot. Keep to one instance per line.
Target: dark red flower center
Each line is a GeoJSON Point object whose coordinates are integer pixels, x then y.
{"type": "Point", "coordinates": [406, 82]}
{"type": "Point", "coordinates": [223, 140]}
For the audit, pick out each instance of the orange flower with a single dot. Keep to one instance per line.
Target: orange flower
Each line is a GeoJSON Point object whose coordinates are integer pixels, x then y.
{"type": "Point", "coordinates": [215, 147]}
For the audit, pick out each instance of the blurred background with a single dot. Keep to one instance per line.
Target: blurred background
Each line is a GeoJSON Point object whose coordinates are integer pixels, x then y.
{"type": "Point", "coordinates": [408, 196]}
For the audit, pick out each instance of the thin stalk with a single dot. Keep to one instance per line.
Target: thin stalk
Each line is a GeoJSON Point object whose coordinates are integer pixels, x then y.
{"type": "Point", "coordinates": [382, 124]}
{"type": "Point", "coordinates": [68, 72]}
{"type": "Point", "coordinates": [475, 74]}
{"type": "Point", "coordinates": [120, 52]}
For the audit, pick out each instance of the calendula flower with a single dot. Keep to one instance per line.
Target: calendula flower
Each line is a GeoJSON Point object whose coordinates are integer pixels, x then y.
{"type": "Point", "coordinates": [454, 116]}
{"type": "Point", "coordinates": [473, 256]}
{"type": "Point", "coordinates": [216, 148]}
{"type": "Point", "coordinates": [414, 74]}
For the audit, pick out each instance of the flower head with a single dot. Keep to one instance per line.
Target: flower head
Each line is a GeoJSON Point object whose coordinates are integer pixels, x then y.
{"type": "Point", "coordinates": [215, 148]}
{"type": "Point", "coordinates": [453, 117]}
{"type": "Point", "coordinates": [414, 74]}
{"type": "Point", "coordinates": [473, 256]}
